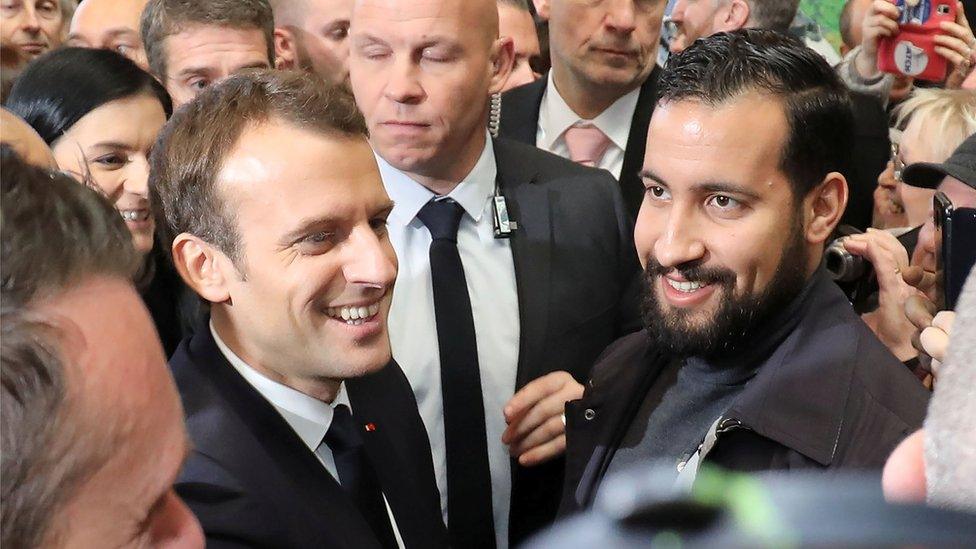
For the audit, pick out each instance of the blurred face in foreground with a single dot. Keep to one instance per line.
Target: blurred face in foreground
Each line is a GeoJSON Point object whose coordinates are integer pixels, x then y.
{"type": "Point", "coordinates": [126, 399]}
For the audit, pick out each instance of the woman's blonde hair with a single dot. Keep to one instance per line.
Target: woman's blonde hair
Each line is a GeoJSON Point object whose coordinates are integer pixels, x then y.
{"type": "Point", "coordinates": [951, 113]}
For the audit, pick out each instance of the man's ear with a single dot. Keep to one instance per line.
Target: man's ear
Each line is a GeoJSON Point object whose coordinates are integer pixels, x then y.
{"type": "Point", "coordinates": [286, 48]}
{"type": "Point", "coordinates": [542, 9]}
{"type": "Point", "coordinates": [823, 208]}
{"type": "Point", "coordinates": [502, 60]}
{"type": "Point", "coordinates": [736, 16]}
{"type": "Point", "coordinates": [203, 268]}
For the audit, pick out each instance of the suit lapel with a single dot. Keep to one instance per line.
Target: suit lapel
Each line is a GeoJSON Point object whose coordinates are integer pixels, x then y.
{"type": "Point", "coordinates": [630, 184]}
{"type": "Point", "coordinates": [391, 454]}
{"type": "Point", "coordinates": [311, 482]}
{"type": "Point", "coordinates": [520, 111]}
{"type": "Point", "coordinates": [529, 205]}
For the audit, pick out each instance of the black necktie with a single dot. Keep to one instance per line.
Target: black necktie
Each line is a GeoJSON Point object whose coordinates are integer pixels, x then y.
{"type": "Point", "coordinates": [469, 506]}
{"type": "Point", "coordinates": [356, 475]}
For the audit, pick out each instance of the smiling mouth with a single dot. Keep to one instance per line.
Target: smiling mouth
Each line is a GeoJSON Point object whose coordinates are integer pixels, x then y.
{"type": "Point", "coordinates": [686, 286]}
{"type": "Point", "coordinates": [135, 215]}
{"type": "Point", "coordinates": [354, 315]}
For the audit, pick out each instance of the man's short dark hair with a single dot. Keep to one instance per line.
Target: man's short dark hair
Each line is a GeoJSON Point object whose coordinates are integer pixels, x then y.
{"type": "Point", "coordinates": [193, 145]}
{"type": "Point", "coordinates": [55, 233]}
{"type": "Point", "coordinates": [773, 14]}
{"type": "Point", "coordinates": [164, 18]}
{"type": "Point", "coordinates": [718, 69]}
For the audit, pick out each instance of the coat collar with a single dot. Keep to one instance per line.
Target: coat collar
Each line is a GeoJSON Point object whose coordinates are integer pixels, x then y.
{"type": "Point", "coordinates": [799, 395]}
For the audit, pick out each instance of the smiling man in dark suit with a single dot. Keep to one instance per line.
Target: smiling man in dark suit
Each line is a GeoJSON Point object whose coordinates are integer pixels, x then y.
{"type": "Point", "coordinates": [596, 102]}
{"type": "Point", "coordinates": [494, 324]}
{"type": "Point", "coordinates": [304, 433]}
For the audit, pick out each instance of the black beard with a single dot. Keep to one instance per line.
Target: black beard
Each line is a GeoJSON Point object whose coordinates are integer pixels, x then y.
{"type": "Point", "coordinates": [737, 320]}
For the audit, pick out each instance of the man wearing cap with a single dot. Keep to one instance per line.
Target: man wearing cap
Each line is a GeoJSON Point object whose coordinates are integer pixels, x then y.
{"type": "Point", "coordinates": [901, 281]}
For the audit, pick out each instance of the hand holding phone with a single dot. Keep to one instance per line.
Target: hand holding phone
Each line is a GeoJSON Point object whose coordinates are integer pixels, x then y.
{"type": "Point", "coordinates": [955, 239]}
{"type": "Point", "coordinates": [914, 50]}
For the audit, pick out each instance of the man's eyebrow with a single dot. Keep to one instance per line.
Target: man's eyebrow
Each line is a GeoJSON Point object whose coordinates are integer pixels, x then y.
{"type": "Point", "coordinates": [306, 225]}
{"type": "Point", "coordinates": [121, 31]}
{"type": "Point", "coordinates": [708, 186]}
{"type": "Point", "coordinates": [367, 38]}
{"type": "Point", "coordinates": [726, 187]}
{"type": "Point", "coordinates": [193, 71]}
{"type": "Point", "coordinates": [110, 145]}
{"type": "Point", "coordinates": [255, 65]}
{"type": "Point", "coordinates": [384, 208]}
{"type": "Point", "coordinates": [646, 173]}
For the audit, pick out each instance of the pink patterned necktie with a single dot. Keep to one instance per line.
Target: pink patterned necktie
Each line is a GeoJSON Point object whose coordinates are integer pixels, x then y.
{"type": "Point", "coordinates": [586, 143]}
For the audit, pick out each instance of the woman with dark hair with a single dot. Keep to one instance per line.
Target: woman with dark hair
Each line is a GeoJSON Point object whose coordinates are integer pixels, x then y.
{"type": "Point", "coordinates": [100, 114]}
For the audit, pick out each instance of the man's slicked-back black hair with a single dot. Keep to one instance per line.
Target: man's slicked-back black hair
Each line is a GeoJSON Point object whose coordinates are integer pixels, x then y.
{"type": "Point", "coordinates": [718, 69]}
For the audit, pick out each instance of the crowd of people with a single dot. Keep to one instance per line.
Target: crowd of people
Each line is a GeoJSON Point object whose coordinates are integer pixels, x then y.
{"type": "Point", "coordinates": [401, 273]}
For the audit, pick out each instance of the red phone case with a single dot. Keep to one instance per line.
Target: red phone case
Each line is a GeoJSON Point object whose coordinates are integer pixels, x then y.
{"type": "Point", "coordinates": [911, 52]}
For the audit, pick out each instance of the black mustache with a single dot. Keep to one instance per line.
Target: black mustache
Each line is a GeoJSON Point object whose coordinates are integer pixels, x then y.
{"type": "Point", "coordinates": [692, 272]}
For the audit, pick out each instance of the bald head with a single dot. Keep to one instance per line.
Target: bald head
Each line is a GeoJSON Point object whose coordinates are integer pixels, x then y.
{"type": "Point", "coordinates": [480, 15]}
{"type": "Point", "coordinates": [422, 72]}
{"type": "Point", "coordinates": [24, 140]}
{"type": "Point", "coordinates": [110, 25]}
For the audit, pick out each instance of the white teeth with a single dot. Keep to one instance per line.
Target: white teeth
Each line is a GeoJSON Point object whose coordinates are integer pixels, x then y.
{"type": "Point", "coordinates": [354, 316]}
{"type": "Point", "coordinates": [686, 287]}
{"type": "Point", "coordinates": [134, 215]}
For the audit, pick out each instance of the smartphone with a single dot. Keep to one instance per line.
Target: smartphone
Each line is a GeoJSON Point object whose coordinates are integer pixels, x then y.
{"type": "Point", "coordinates": [955, 239]}
{"type": "Point", "coordinates": [911, 52]}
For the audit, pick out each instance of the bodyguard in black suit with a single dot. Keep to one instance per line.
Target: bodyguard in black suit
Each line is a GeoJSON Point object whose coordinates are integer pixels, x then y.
{"type": "Point", "coordinates": [516, 266]}
{"type": "Point", "coordinates": [304, 432]}
{"type": "Point", "coordinates": [603, 74]}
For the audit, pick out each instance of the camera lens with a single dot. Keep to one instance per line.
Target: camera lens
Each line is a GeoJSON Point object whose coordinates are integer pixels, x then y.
{"type": "Point", "coordinates": [843, 266]}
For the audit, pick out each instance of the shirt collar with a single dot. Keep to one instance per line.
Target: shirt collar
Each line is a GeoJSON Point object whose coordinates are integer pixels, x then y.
{"type": "Point", "coordinates": [472, 192]}
{"type": "Point", "coordinates": [555, 116]}
{"type": "Point", "coordinates": [309, 417]}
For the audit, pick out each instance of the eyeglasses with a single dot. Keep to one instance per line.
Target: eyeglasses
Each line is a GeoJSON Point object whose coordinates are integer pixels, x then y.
{"type": "Point", "coordinates": [897, 164]}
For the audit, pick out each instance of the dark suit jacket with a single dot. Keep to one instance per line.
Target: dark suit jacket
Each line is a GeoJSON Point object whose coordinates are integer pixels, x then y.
{"type": "Point", "coordinates": [520, 121]}
{"type": "Point", "coordinates": [577, 276]}
{"type": "Point", "coordinates": [828, 395]}
{"type": "Point", "coordinates": [252, 482]}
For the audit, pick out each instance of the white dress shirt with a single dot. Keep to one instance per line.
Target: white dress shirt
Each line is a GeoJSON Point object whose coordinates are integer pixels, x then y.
{"type": "Point", "coordinates": [490, 275]}
{"type": "Point", "coordinates": [309, 417]}
{"type": "Point", "coordinates": [555, 117]}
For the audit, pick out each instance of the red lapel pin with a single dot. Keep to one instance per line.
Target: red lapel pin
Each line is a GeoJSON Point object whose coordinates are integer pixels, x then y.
{"type": "Point", "coordinates": [370, 427]}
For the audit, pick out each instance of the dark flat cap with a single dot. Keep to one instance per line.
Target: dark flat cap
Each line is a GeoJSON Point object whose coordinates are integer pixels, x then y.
{"type": "Point", "coordinates": [961, 165]}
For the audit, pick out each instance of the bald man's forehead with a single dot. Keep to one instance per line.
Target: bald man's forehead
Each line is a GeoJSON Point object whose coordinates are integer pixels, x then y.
{"type": "Point", "coordinates": [482, 14]}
